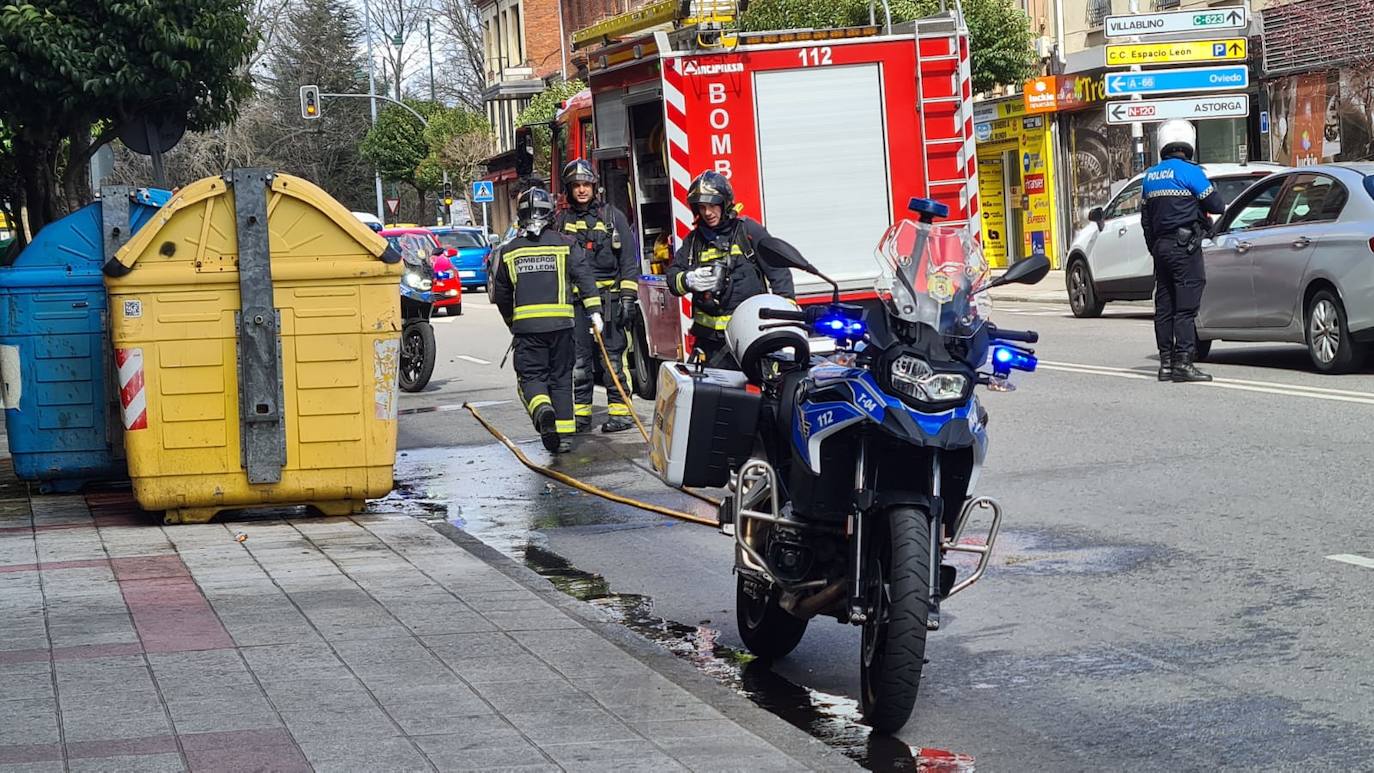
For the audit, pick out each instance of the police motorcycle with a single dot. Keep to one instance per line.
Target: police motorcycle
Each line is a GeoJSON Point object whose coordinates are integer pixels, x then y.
{"type": "Point", "coordinates": [417, 334]}
{"type": "Point", "coordinates": [853, 481]}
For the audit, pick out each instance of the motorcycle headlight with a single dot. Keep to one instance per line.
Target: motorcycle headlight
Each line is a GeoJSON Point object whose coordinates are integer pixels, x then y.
{"type": "Point", "coordinates": [416, 279]}
{"type": "Point", "coordinates": [913, 377]}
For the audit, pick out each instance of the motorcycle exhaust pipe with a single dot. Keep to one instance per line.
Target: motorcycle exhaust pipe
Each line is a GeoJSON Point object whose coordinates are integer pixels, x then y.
{"type": "Point", "coordinates": [818, 602]}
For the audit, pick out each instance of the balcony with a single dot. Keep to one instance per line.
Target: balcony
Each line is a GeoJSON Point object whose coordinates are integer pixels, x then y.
{"type": "Point", "coordinates": [515, 82]}
{"type": "Point", "coordinates": [1166, 5]}
{"type": "Point", "coordinates": [1098, 11]}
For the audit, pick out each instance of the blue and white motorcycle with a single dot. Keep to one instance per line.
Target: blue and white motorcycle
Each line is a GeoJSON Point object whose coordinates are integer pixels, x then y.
{"type": "Point", "coordinates": [865, 462]}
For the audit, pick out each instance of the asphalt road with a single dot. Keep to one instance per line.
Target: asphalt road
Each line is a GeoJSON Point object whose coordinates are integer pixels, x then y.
{"type": "Point", "coordinates": [1161, 598]}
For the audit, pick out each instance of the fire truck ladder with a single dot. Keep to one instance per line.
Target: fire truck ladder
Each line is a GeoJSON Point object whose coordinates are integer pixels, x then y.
{"type": "Point", "coordinates": [923, 87]}
{"type": "Point", "coordinates": [715, 22]}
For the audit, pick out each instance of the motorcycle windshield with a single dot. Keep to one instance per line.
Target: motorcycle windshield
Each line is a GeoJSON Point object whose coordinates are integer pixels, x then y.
{"type": "Point", "coordinates": [931, 275]}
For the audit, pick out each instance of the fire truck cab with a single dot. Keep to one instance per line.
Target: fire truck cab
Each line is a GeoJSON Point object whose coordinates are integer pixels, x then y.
{"type": "Point", "coordinates": [825, 135]}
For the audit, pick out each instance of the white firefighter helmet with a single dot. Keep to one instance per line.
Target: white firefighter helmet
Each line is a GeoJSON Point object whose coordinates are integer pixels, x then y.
{"type": "Point", "coordinates": [751, 338]}
{"type": "Point", "coordinates": [1174, 136]}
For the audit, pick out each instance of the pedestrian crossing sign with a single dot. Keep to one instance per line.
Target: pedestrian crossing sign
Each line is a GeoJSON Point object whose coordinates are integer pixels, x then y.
{"type": "Point", "coordinates": [482, 192]}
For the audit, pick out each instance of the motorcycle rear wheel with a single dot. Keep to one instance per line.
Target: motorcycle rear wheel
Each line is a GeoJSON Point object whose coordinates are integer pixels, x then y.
{"type": "Point", "coordinates": [767, 630]}
{"type": "Point", "coordinates": [894, 637]}
{"type": "Point", "coordinates": [417, 355]}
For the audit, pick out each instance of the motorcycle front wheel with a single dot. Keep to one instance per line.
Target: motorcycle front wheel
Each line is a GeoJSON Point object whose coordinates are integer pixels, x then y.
{"type": "Point", "coordinates": [767, 629]}
{"type": "Point", "coordinates": [417, 355]}
{"type": "Point", "coordinates": [894, 636]}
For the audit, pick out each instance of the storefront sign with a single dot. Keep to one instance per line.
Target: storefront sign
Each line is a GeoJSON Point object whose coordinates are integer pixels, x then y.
{"type": "Point", "coordinates": [1057, 93]}
{"type": "Point", "coordinates": [990, 187]}
{"type": "Point", "coordinates": [1035, 184]}
{"type": "Point", "coordinates": [1042, 95]}
{"type": "Point", "coordinates": [1146, 54]}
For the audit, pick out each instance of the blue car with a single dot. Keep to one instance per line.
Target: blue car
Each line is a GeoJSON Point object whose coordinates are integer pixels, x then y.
{"type": "Point", "coordinates": [473, 251]}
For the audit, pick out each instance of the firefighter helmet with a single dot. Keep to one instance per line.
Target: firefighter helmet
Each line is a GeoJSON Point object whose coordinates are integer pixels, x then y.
{"type": "Point", "coordinates": [1176, 136]}
{"type": "Point", "coordinates": [579, 170]}
{"type": "Point", "coordinates": [534, 210]}
{"type": "Point", "coordinates": [712, 188]}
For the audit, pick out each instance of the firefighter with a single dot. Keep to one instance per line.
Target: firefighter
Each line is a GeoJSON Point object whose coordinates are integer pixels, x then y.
{"type": "Point", "coordinates": [1178, 198]}
{"type": "Point", "coordinates": [609, 248]}
{"type": "Point", "coordinates": [536, 275]}
{"type": "Point", "coordinates": [717, 265]}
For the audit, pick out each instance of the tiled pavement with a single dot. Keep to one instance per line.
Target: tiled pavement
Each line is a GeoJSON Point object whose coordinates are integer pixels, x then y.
{"type": "Point", "coordinates": [370, 643]}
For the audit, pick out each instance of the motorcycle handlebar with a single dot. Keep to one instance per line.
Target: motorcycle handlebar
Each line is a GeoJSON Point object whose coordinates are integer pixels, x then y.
{"type": "Point", "coordinates": [1017, 336]}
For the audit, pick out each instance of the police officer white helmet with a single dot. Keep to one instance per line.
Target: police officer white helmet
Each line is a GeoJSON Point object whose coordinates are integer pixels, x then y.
{"type": "Point", "coordinates": [1176, 136]}
{"type": "Point", "coordinates": [751, 338]}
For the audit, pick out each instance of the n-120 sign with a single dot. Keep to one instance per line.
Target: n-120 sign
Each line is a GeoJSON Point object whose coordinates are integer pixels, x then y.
{"type": "Point", "coordinates": [1189, 108]}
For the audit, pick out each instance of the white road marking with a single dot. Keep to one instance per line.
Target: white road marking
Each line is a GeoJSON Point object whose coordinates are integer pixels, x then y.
{"type": "Point", "coordinates": [474, 359]}
{"type": "Point", "coordinates": [1241, 385]}
{"type": "Point", "coordinates": [1348, 558]}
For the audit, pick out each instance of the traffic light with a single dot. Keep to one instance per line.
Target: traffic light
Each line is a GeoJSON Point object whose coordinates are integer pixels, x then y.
{"type": "Point", "coordinates": [310, 102]}
{"type": "Point", "coordinates": [524, 151]}
{"type": "Point", "coordinates": [448, 194]}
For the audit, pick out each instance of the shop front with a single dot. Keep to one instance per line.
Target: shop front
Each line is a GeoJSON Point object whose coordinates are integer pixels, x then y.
{"type": "Point", "coordinates": [1016, 182]}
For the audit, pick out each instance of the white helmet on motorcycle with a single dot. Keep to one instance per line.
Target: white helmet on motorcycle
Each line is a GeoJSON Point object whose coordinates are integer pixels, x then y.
{"type": "Point", "coordinates": [752, 338]}
{"type": "Point", "coordinates": [1176, 136]}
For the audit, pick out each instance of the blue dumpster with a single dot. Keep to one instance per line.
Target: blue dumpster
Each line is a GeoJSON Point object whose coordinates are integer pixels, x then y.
{"type": "Point", "coordinates": [61, 405]}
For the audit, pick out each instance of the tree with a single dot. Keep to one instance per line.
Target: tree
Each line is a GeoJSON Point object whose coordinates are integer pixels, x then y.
{"type": "Point", "coordinates": [999, 32]}
{"type": "Point", "coordinates": [393, 22]}
{"type": "Point", "coordinates": [463, 71]}
{"type": "Point", "coordinates": [539, 114]}
{"type": "Point", "coordinates": [396, 146]}
{"type": "Point", "coordinates": [72, 72]}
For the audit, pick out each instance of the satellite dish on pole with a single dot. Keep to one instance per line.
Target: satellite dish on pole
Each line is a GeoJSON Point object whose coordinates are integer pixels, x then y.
{"type": "Point", "coordinates": [152, 137]}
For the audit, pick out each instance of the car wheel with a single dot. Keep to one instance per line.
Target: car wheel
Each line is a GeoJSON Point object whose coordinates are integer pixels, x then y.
{"type": "Point", "coordinates": [1204, 348]}
{"type": "Point", "coordinates": [1083, 300]}
{"type": "Point", "coordinates": [1328, 338]}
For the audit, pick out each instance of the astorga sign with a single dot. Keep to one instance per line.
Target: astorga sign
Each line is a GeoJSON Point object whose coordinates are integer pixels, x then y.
{"type": "Point", "coordinates": [1190, 108]}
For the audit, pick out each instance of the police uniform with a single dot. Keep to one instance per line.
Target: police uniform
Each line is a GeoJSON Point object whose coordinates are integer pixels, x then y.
{"type": "Point", "coordinates": [608, 246]}
{"type": "Point", "coordinates": [533, 287]}
{"type": "Point", "coordinates": [1177, 194]}
{"type": "Point", "coordinates": [745, 276]}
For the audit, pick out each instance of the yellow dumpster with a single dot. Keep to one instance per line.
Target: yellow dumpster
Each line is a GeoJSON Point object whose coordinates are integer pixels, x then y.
{"type": "Point", "coordinates": [256, 326]}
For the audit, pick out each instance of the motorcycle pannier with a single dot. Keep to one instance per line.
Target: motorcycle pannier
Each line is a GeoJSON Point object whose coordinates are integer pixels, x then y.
{"type": "Point", "coordinates": [704, 425]}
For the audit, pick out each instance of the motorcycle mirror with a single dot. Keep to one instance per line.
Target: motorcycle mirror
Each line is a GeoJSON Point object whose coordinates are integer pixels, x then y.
{"type": "Point", "coordinates": [1026, 271]}
{"type": "Point", "coordinates": [451, 253]}
{"type": "Point", "coordinates": [777, 252]}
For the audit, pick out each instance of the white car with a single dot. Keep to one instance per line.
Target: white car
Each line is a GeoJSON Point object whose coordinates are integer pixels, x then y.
{"type": "Point", "coordinates": [1108, 260]}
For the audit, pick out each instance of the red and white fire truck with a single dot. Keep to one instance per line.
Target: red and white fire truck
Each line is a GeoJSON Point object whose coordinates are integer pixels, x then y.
{"type": "Point", "coordinates": [826, 135]}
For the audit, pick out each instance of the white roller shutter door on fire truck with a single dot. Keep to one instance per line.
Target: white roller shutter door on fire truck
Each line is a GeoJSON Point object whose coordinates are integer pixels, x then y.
{"type": "Point", "coordinates": [823, 163]}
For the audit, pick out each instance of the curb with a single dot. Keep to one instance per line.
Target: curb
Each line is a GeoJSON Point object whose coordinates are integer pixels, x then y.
{"type": "Point", "coordinates": [807, 751]}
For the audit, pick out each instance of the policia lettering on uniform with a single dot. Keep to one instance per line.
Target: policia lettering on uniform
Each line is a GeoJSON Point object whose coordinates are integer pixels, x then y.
{"type": "Point", "coordinates": [608, 244]}
{"type": "Point", "coordinates": [1178, 197]}
{"type": "Point", "coordinates": [537, 274]}
{"type": "Point", "coordinates": [717, 266]}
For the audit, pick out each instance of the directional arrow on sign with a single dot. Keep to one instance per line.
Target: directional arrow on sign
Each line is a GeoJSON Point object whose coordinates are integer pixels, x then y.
{"type": "Point", "coordinates": [1207, 20]}
{"type": "Point", "coordinates": [1118, 112]}
{"type": "Point", "coordinates": [1190, 108]}
{"type": "Point", "coordinates": [1178, 80]}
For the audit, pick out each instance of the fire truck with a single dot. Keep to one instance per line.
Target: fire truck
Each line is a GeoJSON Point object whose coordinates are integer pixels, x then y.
{"type": "Point", "coordinates": [826, 135]}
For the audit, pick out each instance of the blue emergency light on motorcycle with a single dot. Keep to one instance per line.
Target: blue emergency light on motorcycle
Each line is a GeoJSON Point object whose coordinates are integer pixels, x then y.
{"type": "Point", "coordinates": [1005, 359]}
{"type": "Point", "coordinates": [841, 327]}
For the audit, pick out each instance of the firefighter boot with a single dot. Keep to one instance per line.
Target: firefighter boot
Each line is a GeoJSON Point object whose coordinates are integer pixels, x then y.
{"type": "Point", "coordinates": [617, 424]}
{"type": "Point", "coordinates": [1166, 365]}
{"type": "Point", "coordinates": [1185, 372]}
{"type": "Point", "coordinates": [546, 425]}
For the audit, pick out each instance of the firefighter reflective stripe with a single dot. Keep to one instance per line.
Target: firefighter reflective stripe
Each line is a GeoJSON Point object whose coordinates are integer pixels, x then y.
{"type": "Point", "coordinates": [543, 310]}
{"type": "Point", "coordinates": [711, 253]}
{"type": "Point", "coordinates": [582, 410]}
{"type": "Point", "coordinates": [573, 226]}
{"type": "Point", "coordinates": [618, 409]}
{"type": "Point", "coordinates": [711, 321]}
{"type": "Point", "coordinates": [629, 285]}
{"type": "Point", "coordinates": [592, 304]}
{"type": "Point", "coordinates": [682, 283]}
{"type": "Point", "coordinates": [537, 401]}
{"type": "Point", "coordinates": [605, 284]}
{"type": "Point", "coordinates": [565, 426]}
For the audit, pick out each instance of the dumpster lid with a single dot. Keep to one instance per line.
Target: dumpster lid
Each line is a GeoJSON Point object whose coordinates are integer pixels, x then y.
{"type": "Point", "coordinates": [76, 242]}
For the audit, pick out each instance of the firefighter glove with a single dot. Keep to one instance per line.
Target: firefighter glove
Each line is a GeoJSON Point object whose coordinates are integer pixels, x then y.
{"type": "Point", "coordinates": [597, 324]}
{"type": "Point", "coordinates": [628, 310]}
{"type": "Point", "coordinates": [701, 280]}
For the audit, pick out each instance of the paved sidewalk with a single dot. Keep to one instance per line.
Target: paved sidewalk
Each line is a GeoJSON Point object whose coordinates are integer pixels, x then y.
{"type": "Point", "coordinates": [358, 644]}
{"type": "Point", "coordinates": [1051, 289]}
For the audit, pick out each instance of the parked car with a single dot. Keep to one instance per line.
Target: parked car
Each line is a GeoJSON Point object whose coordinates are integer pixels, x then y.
{"type": "Point", "coordinates": [1290, 261]}
{"type": "Point", "coordinates": [473, 247]}
{"type": "Point", "coordinates": [1108, 260]}
{"type": "Point", "coordinates": [415, 242]}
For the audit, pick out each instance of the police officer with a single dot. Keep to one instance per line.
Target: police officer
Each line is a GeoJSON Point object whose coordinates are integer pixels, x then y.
{"type": "Point", "coordinates": [1178, 197]}
{"type": "Point", "coordinates": [536, 274]}
{"type": "Point", "coordinates": [609, 248]}
{"type": "Point", "coordinates": [717, 265]}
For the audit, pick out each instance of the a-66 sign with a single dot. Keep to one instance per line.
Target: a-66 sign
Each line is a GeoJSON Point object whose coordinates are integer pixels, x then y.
{"type": "Point", "coordinates": [1189, 108]}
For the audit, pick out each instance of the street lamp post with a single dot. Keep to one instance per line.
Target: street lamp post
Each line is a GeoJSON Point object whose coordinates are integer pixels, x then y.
{"type": "Point", "coordinates": [372, 94]}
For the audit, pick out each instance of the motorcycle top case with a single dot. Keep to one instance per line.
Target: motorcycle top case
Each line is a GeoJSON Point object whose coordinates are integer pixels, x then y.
{"type": "Point", "coordinates": [704, 422]}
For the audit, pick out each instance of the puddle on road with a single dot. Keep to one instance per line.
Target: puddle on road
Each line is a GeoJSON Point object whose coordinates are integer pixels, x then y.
{"type": "Point", "coordinates": [510, 522]}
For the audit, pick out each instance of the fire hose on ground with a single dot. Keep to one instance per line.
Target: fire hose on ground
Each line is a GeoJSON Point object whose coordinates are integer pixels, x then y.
{"type": "Point", "coordinates": [568, 480]}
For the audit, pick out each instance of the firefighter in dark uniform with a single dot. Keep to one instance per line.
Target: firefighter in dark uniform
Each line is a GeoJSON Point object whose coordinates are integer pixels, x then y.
{"type": "Point", "coordinates": [609, 248]}
{"type": "Point", "coordinates": [717, 265]}
{"type": "Point", "coordinates": [537, 273]}
{"type": "Point", "coordinates": [1178, 197]}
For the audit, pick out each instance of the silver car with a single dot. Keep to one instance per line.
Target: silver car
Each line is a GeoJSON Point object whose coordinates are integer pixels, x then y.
{"type": "Point", "coordinates": [1293, 260]}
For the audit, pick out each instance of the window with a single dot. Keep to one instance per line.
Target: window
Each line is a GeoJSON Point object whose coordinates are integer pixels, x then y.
{"type": "Point", "coordinates": [517, 37]}
{"type": "Point", "coordinates": [1231, 187]}
{"type": "Point", "coordinates": [1310, 198]}
{"type": "Point", "coordinates": [1127, 202]}
{"type": "Point", "coordinates": [459, 240]}
{"type": "Point", "coordinates": [1251, 210]}
{"type": "Point", "coordinates": [1164, 5]}
{"type": "Point", "coordinates": [1098, 11]}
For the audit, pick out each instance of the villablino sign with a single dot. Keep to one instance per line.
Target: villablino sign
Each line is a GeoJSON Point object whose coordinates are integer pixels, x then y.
{"type": "Point", "coordinates": [1203, 20]}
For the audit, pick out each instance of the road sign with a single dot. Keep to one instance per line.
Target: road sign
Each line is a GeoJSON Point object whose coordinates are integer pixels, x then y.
{"type": "Point", "coordinates": [393, 206]}
{"type": "Point", "coordinates": [1226, 78]}
{"type": "Point", "coordinates": [1204, 20]}
{"type": "Point", "coordinates": [1264, 122]}
{"type": "Point", "coordinates": [482, 191]}
{"type": "Point", "coordinates": [1191, 108]}
{"type": "Point", "coordinates": [1182, 52]}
